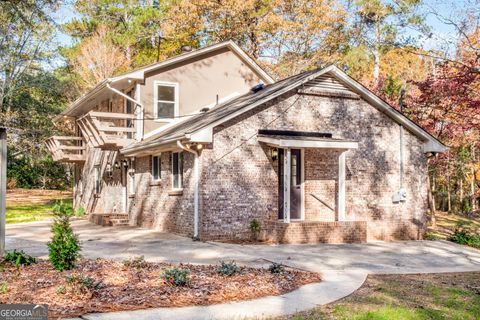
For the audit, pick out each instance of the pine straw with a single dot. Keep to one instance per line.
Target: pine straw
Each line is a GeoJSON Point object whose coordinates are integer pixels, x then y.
{"type": "Point", "coordinates": [120, 287]}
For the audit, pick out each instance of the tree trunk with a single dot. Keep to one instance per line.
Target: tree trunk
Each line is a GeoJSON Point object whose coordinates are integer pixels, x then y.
{"type": "Point", "coordinates": [376, 67]}
{"type": "Point", "coordinates": [449, 191]}
{"type": "Point", "coordinates": [431, 202]}
{"type": "Point", "coordinates": [472, 182]}
{"type": "Point", "coordinates": [461, 193]}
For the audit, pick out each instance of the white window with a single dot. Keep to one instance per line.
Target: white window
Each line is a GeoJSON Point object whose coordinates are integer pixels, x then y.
{"type": "Point", "coordinates": [165, 100]}
{"type": "Point", "coordinates": [156, 167]}
{"type": "Point", "coordinates": [177, 170]}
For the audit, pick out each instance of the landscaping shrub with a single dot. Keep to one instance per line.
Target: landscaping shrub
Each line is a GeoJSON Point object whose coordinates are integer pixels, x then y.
{"type": "Point", "coordinates": [80, 211]}
{"type": "Point", "coordinates": [4, 288]}
{"type": "Point", "coordinates": [61, 289]}
{"type": "Point", "coordinates": [431, 236]}
{"type": "Point", "coordinates": [255, 228]}
{"type": "Point", "coordinates": [20, 258]}
{"type": "Point", "coordinates": [176, 276]}
{"type": "Point", "coordinates": [64, 249]}
{"type": "Point", "coordinates": [79, 284]}
{"type": "Point", "coordinates": [465, 237]}
{"type": "Point", "coordinates": [275, 267]}
{"type": "Point", "coordinates": [228, 268]}
{"type": "Point", "coordinates": [136, 262]}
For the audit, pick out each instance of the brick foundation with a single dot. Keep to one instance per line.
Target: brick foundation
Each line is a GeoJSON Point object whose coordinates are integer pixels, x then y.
{"type": "Point", "coordinates": [316, 231]}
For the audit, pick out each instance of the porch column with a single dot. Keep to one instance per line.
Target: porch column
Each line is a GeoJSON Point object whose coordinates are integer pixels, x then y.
{"type": "Point", "coordinates": [287, 159]}
{"type": "Point", "coordinates": [341, 187]}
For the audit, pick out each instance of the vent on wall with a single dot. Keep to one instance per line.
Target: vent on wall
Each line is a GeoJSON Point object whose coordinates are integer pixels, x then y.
{"type": "Point", "coordinates": [327, 85]}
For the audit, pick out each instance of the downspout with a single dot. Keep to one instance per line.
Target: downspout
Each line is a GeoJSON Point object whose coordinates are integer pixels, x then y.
{"type": "Point", "coordinates": [196, 182]}
{"type": "Point", "coordinates": [131, 99]}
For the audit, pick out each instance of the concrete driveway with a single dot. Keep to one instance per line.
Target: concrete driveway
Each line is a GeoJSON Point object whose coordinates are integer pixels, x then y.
{"type": "Point", "coordinates": [376, 257]}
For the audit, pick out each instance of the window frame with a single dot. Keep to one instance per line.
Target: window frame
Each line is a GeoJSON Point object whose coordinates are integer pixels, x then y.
{"type": "Point", "coordinates": [176, 110]}
{"type": "Point", "coordinates": [180, 170]}
{"type": "Point", "coordinates": [159, 177]}
{"type": "Point", "coordinates": [97, 180]}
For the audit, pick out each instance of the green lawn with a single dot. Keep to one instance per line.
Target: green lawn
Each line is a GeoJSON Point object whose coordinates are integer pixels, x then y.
{"type": "Point", "coordinates": [405, 297]}
{"type": "Point", "coordinates": [24, 212]}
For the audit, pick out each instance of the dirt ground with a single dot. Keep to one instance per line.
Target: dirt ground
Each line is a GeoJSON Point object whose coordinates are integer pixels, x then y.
{"type": "Point", "coordinates": [102, 285]}
{"type": "Point", "coordinates": [35, 196]}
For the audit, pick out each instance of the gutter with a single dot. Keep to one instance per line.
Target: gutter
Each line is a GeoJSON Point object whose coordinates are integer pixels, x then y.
{"type": "Point", "coordinates": [196, 183]}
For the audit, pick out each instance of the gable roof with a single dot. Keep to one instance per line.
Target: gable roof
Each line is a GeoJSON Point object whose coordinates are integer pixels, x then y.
{"type": "Point", "coordinates": [139, 74]}
{"type": "Point", "coordinates": [233, 108]}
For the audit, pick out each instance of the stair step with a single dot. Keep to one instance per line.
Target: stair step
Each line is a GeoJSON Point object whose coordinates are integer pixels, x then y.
{"type": "Point", "coordinates": [119, 222]}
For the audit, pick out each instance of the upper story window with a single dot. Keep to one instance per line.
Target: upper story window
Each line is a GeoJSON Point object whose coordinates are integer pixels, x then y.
{"type": "Point", "coordinates": [165, 100]}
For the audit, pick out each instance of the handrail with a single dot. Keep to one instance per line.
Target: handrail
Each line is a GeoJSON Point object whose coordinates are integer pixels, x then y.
{"type": "Point", "coordinates": [322, 202]}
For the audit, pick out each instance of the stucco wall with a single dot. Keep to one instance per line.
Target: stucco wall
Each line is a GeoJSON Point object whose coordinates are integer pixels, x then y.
{"type": "Point", "coordinates": [200, 80]}
{"type": "Point", "coordinates": [239, 180]}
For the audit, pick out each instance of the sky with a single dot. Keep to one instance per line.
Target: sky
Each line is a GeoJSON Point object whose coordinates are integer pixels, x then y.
{"type": "Point", "coordinates": [440, 30]}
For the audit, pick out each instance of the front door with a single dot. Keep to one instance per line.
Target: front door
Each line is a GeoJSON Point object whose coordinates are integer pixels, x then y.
{"type": "Point", "coordinates": [295, 184]}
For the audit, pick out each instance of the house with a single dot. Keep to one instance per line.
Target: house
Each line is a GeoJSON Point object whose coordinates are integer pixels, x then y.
{"type": "Point", "coordinates": [205, 142]}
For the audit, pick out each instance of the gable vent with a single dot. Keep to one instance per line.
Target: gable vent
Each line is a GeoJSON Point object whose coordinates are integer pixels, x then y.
{"type": "Point", "coordinates": [327, 85]}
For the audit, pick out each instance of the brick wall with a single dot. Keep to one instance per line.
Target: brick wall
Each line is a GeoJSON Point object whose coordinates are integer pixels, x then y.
{"type": "Point", "coordinates": [239, 179]}
{"type": "Point", "coordinates": [316, 231]}
{"type": "Point", "coordinates": [154, 204]}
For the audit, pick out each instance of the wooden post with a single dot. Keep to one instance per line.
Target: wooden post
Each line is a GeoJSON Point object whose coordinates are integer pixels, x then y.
{"type": "Point", "coordinates": [341, 187]}
{"type": "Point", "coordinates": [287, 176]}
{"type": "Point", "coordinates": [3, 186]}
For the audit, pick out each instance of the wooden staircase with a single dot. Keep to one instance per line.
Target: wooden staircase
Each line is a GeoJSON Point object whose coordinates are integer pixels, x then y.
{"type": "Point", "coordinates": [109, 219]}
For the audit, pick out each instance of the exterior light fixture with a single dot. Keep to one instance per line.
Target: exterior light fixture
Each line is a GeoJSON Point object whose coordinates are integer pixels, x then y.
{"type": "Point", "coordinates": [125, 163]}
{"type": "Point", "coordinates": [109, 170]}
{"type": "Point", "coordinates": [199, 146]}
{"type": "Point", "coordinates": [117, 165]}
{"type": "Point", "coordinates": [274, 153]}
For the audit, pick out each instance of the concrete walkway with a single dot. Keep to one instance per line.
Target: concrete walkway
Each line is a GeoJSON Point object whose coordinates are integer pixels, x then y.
{"type": "Point", "coordinates": [344, 267]}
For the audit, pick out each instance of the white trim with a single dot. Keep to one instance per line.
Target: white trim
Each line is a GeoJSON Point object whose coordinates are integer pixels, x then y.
{"type": "Point", "coordinates": [299, 144]}
{"type": "Point", "coordinates": [176, 103]}
{"type": "Point", "coordinates": [287, 159]}
{"type": "Point", "coordinates": [140, 114]}
{"type": "Point", "coordinates": [302, 186]}
{"type": "Point", "coordinates": [341, 187]}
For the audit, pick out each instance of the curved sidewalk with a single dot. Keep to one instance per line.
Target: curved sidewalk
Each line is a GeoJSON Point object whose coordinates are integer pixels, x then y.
{"type": "Point", "coordinates": [335, 285]}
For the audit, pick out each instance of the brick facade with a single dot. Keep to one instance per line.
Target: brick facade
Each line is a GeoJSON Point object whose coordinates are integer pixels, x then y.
{"type": "Point", "coordinates": [238, 179]}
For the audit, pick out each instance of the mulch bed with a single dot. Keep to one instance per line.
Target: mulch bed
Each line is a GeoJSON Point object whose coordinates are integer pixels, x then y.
{"type": "Point", "coordinates": [137, 284]}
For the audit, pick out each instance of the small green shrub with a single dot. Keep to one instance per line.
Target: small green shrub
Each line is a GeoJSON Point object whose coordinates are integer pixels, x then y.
{"type": "Point", "coordinates": [431, 236]}
{"type": "Point", "coordinates": [176, 276]}
{"type": "Point", "coordinates": [64, 249]}
{"type": "Point", "coordinates": [20, 258]}
{"type": "Point", "coordinates": [61, 207]}
{"type": "Point", "coordinates": [275, 267]}
{"type": "Point", "coordinates": [255, 228]}
{"type": "Point", "coordinates": [4, 288]}
{"type": "Point", "coordinates": [465, 237]}
{"type": "Point", "coordinates": [136, 262]}
{"type": "Point", "coordinates": [80, 211]}
{"type": "Point", "coordinates": [79, 284]}
{"type": "Point", "coordinates": [228, 268]}
{"type": "Point", "coordinates": [79, 281]}
{"type": "Point", "coordinates": [61, 289]}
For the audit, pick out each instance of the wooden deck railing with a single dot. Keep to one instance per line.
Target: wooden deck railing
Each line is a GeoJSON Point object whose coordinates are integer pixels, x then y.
{"type": "Point", "coordinates": [108, 130]}
{"type": "Point", "coordinates": [67, 149]}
